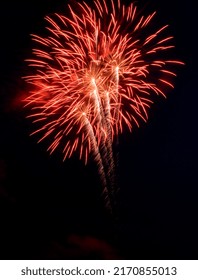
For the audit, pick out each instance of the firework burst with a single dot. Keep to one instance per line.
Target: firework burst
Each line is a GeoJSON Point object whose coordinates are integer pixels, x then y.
{"type": "Point", "coordinates": [95, 74]}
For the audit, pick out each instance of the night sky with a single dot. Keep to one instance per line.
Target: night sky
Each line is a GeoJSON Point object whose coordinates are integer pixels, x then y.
{"type": "Point", "coordinates": [54, 210]}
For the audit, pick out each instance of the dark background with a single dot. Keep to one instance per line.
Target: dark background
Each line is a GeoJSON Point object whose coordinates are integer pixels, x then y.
{"type": "Point", "coordinates": [50, 209]}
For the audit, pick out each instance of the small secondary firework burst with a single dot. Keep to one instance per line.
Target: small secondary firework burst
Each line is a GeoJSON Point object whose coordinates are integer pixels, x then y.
{"type": "Point", "coordinates": [94, 75]}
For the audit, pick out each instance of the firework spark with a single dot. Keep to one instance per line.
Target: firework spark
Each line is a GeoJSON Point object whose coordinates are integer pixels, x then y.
{"type": "Point", "coordinates": [95, 74]}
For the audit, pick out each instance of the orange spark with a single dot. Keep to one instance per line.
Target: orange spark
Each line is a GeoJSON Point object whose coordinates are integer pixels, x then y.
{"type": "Point", "coordinates": [95, 74]}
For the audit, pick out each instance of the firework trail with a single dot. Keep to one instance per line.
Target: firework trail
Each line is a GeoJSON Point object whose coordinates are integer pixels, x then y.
{"type": "Point", "coordinates": [95, 74]}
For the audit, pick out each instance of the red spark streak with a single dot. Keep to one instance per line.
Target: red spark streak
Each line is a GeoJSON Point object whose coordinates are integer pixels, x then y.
{"type": "Point", "coordinates": [98, 69]}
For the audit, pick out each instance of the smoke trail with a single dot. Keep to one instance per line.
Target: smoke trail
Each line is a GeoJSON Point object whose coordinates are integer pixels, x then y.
{"type": "Point", "coordinates": [97, 158]}
{"type": "Point", "coordinates": [105, 141]}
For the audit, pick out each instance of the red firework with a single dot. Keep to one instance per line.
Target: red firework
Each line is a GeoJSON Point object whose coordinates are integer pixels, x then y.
{"type": "Point", "coordinates": [96, 73]}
